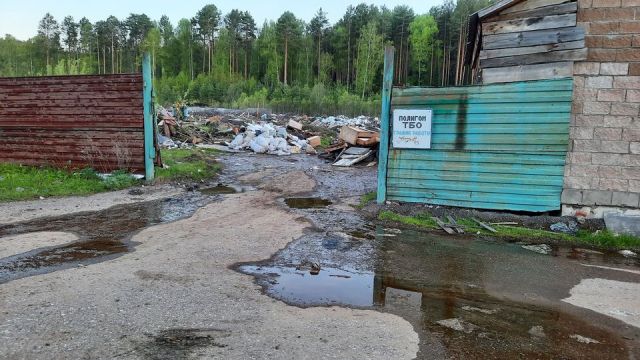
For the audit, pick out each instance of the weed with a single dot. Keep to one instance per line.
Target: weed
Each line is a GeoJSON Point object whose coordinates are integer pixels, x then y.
{"type": "Point", "coordinates": [183, 164]}
{"type": "Point", "coordinates": [366, 198]}
{"type": "Point", "coordinates": [602, 238]}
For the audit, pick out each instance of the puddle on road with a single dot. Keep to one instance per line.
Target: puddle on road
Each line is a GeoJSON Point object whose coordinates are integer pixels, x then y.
{"type": "Point", "coordinates": [102, 235]}
{"type": "Point", "coordinates": [307, 203]}
{"type": "Point", "coordinates": [330, 287]}
{"type": "Point", "coordinates": [222, 189]}
{"type": "Point", "coordinates": [427, 279]}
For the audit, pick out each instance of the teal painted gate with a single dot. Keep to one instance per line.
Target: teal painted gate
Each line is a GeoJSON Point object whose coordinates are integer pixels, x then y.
{"type": "Point", "coordinates": [497, 147]}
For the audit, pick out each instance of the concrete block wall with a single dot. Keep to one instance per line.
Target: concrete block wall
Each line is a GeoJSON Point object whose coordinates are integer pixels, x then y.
{"type": "Point", "coordinates": [603, 163]}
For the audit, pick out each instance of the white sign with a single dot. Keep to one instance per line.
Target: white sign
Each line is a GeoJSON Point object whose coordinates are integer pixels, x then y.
{"type": "Point", "coordinates": [412, 129]}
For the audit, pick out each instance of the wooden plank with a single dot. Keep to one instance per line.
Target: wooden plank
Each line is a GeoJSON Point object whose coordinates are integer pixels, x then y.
{"type": "Point", "coordinates": [532, 38]}
{"type": "Point", "coordinates": [387, 85]}
{"type": "Point", "coordinates": [539, 58]}
{"type": "Point", "coordinates": [472, 91]}
{"type": "Point", "coordinates": [149, 119]}
{"type": "Point", "coordinates": [443, 226]}
{"type": "Point", "coordinates": [529, 24]}
{"type": "Point", "coordinates": [456, 227]}
{"type": "Point", "coordinates": [500, 5]}
{"type": "Point", "coordinates": [527, 72]}
{"type": "Point", "coordinates": [488, 54]}
{"type": "Point", "coordinates": [70, 80]}
{"type": "Point", "coordinates": [484, 225]}
{"type": "Point", "coordinates": [532, 4]}
{"type": "Point", "coordinates": [559, 9]}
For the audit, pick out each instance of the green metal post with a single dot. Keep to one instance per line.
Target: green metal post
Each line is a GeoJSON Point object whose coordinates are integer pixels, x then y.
{"type": "Point", "coordinates": [383, 155]}
{"type": "Point", "coordinates": [149, 150]}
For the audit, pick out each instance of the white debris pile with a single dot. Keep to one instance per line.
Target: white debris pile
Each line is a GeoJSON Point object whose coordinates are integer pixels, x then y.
{"type": "Point", "coordinates": [265, 138]}
{"type": "Point", "coordinates": [339, 121]}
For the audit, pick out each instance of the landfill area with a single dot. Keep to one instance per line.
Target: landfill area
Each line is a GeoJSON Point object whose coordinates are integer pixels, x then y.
{"type": "Point", "coordinates": [348, 141]}
{"type": "Point", "coordinates": [276, 258]}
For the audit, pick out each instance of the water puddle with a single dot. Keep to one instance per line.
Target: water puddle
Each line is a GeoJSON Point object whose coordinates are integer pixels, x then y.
{"type": "Point", "coordinates": [222, 189]}
{"type": "Point", "coordinates": [456, 292]}
{"type": "Point", "coordinates": [102, 235]}
{"type": "Point", "coordinates": [329, 287]}
{"type": "Point", "coordinates": [307, 203]}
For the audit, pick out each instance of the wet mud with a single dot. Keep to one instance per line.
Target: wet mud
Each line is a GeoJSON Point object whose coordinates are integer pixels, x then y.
{"type": "Point", "coordinates": [182, 343]}
{"type": "Point", "coordinates": [103, 235]}
{"type": "Point", "coordinates": [467, 299]}
{"type": "Point", "coordinates": [307, 203]}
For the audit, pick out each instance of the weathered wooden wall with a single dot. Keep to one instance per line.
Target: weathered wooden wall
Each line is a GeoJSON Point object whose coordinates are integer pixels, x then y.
{"type": "Point", "coordinates": [529, 40]}
{"type": "Point", "coordinates": [499, 146]}
{"type": "Point", "coordinates": [73, 121]}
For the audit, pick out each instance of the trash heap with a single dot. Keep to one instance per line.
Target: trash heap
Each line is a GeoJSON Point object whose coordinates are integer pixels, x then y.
{"type": "Point", "coordinates": [342, 140]}
{"type": "Point", "coordinates": [265, 138]}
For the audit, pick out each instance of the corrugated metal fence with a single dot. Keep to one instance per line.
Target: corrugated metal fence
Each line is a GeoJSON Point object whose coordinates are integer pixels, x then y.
{"type": "Point", "coordinates": [493, 147]}
{"type": "Point", "coordinates": [73, 121]}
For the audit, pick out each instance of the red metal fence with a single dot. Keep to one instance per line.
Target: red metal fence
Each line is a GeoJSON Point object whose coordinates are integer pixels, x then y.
{"type": "Point", "coordinates": [73, 121]}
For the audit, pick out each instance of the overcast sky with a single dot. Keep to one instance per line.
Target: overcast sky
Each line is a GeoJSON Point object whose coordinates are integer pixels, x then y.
{"type": "Point", "coordinates": [20, 17]}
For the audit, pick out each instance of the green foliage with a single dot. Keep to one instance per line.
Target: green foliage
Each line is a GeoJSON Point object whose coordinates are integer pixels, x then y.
{"type": "Point", "coordinates": [602, 238]}
{"type": "Point", "coordinates": [187, 164]}
{"type": "Point", "coordinates": [423, 44]}
{"type": "Point", "coordinates": [370, 58]}
{"type": "Point", "coordinates": [25, 182]}
{"type": "Point", "coordinates": [367, 198]}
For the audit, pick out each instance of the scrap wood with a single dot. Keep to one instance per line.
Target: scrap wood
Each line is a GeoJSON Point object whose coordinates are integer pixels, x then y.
{"type": "Point", "coordinates": [374, 140]}
{"type": "Point", "coordinates": [504, 223]}
{"type": "Point", "coordinates": [349, 161]}
{"type": "Point", "coordinates": [457, 227]}
{"type": "Point", "coordinates": [351, 134]}
{"type": "Point", "coordinates": [484, 225]}
{"type": "Point", "coordinates": [443, 226]}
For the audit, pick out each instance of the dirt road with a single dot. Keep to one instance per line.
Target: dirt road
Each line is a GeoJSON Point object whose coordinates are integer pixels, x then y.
{"type": "Point", "coordinates": [230, 272]}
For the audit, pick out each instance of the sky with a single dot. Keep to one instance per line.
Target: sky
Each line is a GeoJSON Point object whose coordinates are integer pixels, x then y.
{"type": "Point", "coordinates": [20, 17]}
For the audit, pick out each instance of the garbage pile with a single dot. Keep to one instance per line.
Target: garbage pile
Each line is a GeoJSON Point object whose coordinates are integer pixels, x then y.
{"type": "Point", "coordinates": [266, 138]}
{"type": "Point", "coordinates": [339, 139]}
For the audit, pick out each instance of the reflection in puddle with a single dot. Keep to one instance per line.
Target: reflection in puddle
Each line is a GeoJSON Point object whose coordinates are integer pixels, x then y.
{"type": "Point", "coordinates": [329, 287]}
{"type": "Point", "coordinates": [466, 299]}
{"type": "Point", "coordinates": [307, 203]}
{"type": "Point", "coordinates": [222, 189]}
{"type": "Point", "coordinates": [102, 235]}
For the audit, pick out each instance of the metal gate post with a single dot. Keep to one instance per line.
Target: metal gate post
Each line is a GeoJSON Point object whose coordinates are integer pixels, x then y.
{"type": "Point", "coordinates": [383, 155]}
{"type": "Point", "coordinates": [149, 150]}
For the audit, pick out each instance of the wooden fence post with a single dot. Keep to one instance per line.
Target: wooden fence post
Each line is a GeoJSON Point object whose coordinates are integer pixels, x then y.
{"type": "Point", "coordinates": [149, 150]}
{"type": "Point", "coordinates": [383, 154]}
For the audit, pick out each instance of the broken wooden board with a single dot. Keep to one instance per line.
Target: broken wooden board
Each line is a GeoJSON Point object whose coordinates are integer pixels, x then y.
{"type": "Point", "coordinates": [374, 140]}
{"type": "Point", "coordinates": [485, 225]}
{"type": "Point", "coordinates": [351, 134]}
{"type": "Point", "coordinates": [443, 226]}
{"type": "Point", "coordinates": [351, 159]}
{"type": "Point", "coordinates": [457, 227]}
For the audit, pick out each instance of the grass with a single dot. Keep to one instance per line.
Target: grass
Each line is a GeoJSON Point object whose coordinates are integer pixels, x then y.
{"type": "Point", "coordinates": [603, 238]}
{"type": "Point", "coordinates": [19, 182]}
{"type": "Point", "coordinates": [26, 182]}
{"type": "Point", "coordinates": [366, 198]}
{"type": "Point", "coordinates": [187, 164]}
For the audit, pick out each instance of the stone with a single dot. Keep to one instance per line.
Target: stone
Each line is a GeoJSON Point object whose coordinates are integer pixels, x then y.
{"type": "Point", "coordinates": [599, 82]}
{"type": "Point", "coordinates": [543, 249]}
{"type": "Point", "coordinates": [584, 339]}
{"type": "Point", "coordinates": [596, 197]}
{"type": "Point", "coordinates": [614, 68]}
{"type": "Point", "coordinates": [571, 196]}
{"type": "Point", "coordinates": [622, 224]}
{"type": "Point", "coordinates": [625, 199]}
{"type": "Point", "coordinates": [458, 325]}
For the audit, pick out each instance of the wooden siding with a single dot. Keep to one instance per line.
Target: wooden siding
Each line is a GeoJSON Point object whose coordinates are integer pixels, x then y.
{"type": "Point", "coordinates": [530, 40]}
{"type": "Point", "coordinates": [499, 147]}
{"type": "Point", "coordinates": [74, 121]}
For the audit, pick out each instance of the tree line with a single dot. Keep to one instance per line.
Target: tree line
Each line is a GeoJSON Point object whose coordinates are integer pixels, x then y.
{"type": "Point", "coordinates": [228, 60]}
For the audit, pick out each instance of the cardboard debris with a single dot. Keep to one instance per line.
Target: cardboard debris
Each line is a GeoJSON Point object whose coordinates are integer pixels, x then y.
{"type": "Point", "coordinates": [353, 135]}
{"type": "Point", "coordinates": [294, 125]}
{"type": "Point", "coordinates": [314, 141]}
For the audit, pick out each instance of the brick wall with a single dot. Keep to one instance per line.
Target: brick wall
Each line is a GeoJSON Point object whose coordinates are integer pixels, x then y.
{"type": "Point", "coordinates": [603, 164]}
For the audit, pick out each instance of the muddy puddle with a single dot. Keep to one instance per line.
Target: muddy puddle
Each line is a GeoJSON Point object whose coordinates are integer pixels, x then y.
{"type": "Point", "coordinates": [102, 235]}
{"type": "Point", "coordinates": [222, 189]}
{"type": "Point", "coordinates": [307, 203]}
{"type": "Point", "coordinates": [467, 299]}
